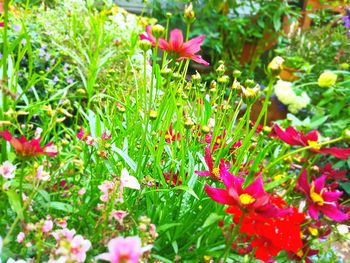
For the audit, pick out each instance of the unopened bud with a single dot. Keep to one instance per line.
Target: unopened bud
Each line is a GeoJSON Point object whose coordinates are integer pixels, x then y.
{"type": "Point", "coordinates": [220, 70]}
{"type": "Point", "coordinates": [250, 95]}
{"type": "Point", "coordinates": [224, 79]}
{"type": "Point", "coordinates": [145, 45]}
{"type": "Point", "coordinates": [249, 83]}
{"type": "Point", "coordinates": [158, 31]}
{"type": "Point", "coordinates": [189, 14]}
{"type": "Point", "coordinates": [236, 73]}
{"type": "Point", "coordinates": [153, 114]}
{"type": "Point", "coordinates": [276, 65]}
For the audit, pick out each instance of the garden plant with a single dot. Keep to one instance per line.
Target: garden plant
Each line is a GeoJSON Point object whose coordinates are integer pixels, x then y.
{"type": "Point", "coordinates": [113, 151]}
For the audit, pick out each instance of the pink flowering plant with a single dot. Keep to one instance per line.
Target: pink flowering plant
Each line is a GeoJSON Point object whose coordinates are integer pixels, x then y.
{"type": "Point", "coordinates": [137, 158]}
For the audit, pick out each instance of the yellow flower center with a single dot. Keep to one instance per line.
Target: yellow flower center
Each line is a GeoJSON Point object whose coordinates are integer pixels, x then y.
{"type": "Point", "coordinates": [314, 144]}
{"type": "Point", "coordinates": [246, 199]}
{"type": "Point", "coordinates": [300, 253]}
{"type": "Point", "coordinates": [216, 172]}
{"type": "Point", "coordinates": [313, 231]}
{"type": "Point", "coordinates": [316, 198]}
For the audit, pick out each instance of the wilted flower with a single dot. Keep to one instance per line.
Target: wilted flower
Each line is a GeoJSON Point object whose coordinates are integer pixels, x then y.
{"type": "Point", "coordinates": [327, 79]}
{"type": "Point", "coordinates": [275, 66]}
{"type": "Point", "coordinates": [7, 170]}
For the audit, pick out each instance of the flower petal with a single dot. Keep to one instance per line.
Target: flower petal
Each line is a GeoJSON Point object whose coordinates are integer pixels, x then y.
{"type": "Point", "coordinates": [219, 195]}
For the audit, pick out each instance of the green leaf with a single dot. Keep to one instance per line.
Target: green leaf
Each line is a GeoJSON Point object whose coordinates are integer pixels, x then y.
{"type": "Point", "coordinates": [15, 203]}
{"type": "Point", "coordinates": [165, 227]}
{"type": "Point", "coordinates": [125, 157]}
{"type": "Point", "coordinates": [60, 206]}
{"type": "Point", "coordinates": [274, 184]}
{"type": "Point", "coordinates": [187, 189]}
{"type": "Point", "coordinates": [211, 219]}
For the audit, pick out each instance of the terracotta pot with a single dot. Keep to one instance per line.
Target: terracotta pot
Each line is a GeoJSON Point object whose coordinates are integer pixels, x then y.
{"type": "Point", "coordinates": [288, 74]}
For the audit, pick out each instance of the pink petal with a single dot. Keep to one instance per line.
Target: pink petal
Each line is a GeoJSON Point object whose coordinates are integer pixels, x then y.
{"type": "Point", "coordinates": [208, 158]}
{"type": "Point", "coordinates": [320, 183]}
{"type": "Point", "coordinates": [6, 135]}
{"type": "Point", "coordinates": [333, 212]}
{"type": "Point", "coordinates": [312, 136]}
{"type": "Point", "coordinates": [339, 153]}
{"type": "Point", "coordinates": [203, 173]}
{"type": "Point", "coordinates": [331, 196]}
{"type": "Point", "coordinates": [303, 183]}
{"type": "Point", "coordinates": [256, 188]}
{"type": "Point", "coordinates": [219, 195]}
{"type": "Point", "coordinates": [194, 45]}
{"type": "Point", "coordinates": [287, 135]}
{"type": "Point", "coordinates": [313, 212]}
{"type": "Point", "coordinates": [176, 40]}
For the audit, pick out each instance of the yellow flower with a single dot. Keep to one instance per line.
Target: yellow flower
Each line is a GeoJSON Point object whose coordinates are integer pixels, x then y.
{"type": "Point", "coordinates": [327, 79]}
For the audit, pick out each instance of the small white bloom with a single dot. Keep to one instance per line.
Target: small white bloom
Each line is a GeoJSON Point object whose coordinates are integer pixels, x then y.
{"type": "Point", "coordinates": [129, 181]}
{"type": "Point", "coordinates": [37, 133]}
{"type": "Point", "coordinates": [7, 170]}
{"type": "Point", "coordinates": [41, 174]}
{"type": "Point", "coordinates": [343, 229]}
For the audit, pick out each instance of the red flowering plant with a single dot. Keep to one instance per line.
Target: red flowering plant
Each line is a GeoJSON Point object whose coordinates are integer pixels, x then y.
{"type": "Point", "coordinates": [25, 148]}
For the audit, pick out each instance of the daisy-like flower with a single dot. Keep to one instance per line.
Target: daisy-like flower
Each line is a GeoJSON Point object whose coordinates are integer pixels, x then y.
{"type": "Point", "coordinates": [213, 172]}
{"type": "Point", "coordinates": [7, 170]}
{"type": "Point", "coordinates": [294, 137]}
{"type": "Point", "coordinates": [26, 148]}
{"type": "Point", "coordinates": [176, 44]}
{"type": "Point", "coordinates": [123, 250]}
{"type": "Point", "coordinates": [252, 198]}
{"type": "Point", "coordinates": [320, 199]}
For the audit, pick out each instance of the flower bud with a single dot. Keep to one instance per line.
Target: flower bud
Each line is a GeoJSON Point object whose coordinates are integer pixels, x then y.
{"type": "Point", "coordinates": [168, 15]}
{"type": "Point", "coordinates": [205, 129]}
{"type": "Point", "coordinates": [196, 77]}
{"type": "Point", "coordinates": [327, 79]}
{"type": "Point", "coordinates": [213, 84]}
{"type": "Point", "coordinates": [188, 123]}
{"type": "Point", "coordinates": [276, 65]}
{"type": "Point", "coordinates": [249, 83]}
{"type": "Point", "coordinates": [145, 45]}
{"type": "Point", "coordinates": [250, 95]}
{"type": "Point", "coordinates": [153, 114]}
{"type": "Point", "coordinates": [346, 135]}
{"type": "Point", "coordinates": [236, 86]}
{"type": "Point", "coordinates": [158, 31]}
{"type": "Point", "coordinates": [165, 72]}
{"type": "Point", "coordinates": [236, 73]}
{"type": "Point", "coordinates": [220, 70]}
{"type": "Point", "coordinates": [224, 79]}
{"type": "Point", "coordinates": [189, 14]}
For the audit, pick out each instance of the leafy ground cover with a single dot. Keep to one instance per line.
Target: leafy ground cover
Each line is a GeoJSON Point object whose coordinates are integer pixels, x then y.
{"type": "Point", "coordinates": [112, 151]}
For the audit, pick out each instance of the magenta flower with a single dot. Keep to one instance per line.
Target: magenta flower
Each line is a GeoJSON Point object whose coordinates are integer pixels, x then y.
{"type": "Point", "coordinates": [252, 198]}
{"type": "Point", "coordinates": [176, 44]}
{"type": "Point", "coordinates": [148, 36]}
{"type": "Point", "coordinates": [26, 148]}
{"type": "Point", "coordinates": [294, 137]}
{"type": "Point", "coordinates": [214, 172]}
{"type": "Point", "coordinates": [320, 199]}
{"type": "Point", "coordinates": [123, 250]}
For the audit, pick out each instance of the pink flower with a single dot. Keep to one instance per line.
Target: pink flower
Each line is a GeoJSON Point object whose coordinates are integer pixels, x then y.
{"type": "Point", "coordinates": [148, 36]}
{"type": "Point", "coordinates": [214, 172]}
{"type": "Point", "coordinates": [64, 234]}
{"type": "Point", "coordinates": [123, 250]}
{"type": "Point", "coordinates": [78, 247]}
{"type": "Point", "coordinates": [41, 174]}
{"type": "Point", "coordinates": [252, 198]}
{"type": "Point", "coordinates": [20, 237]}
{"type": "Point", "coordinates": [185, 50]}
{"type": "Point", "coordinates": [119, 215]}
{"type": "Point", "coordinates": [106, 137]}
{"type": "Point", "coordinates": [294, 137]}
{"type": "Point", "coordinates": [28, 148]}
{"type": "Point", "coordinates": [81, 191]}
{"type": "Point", "coordinates": [128, 181]}
{"type": "Point", "coordinates": [320, 199]}
{"type": "Point", "coordinates": [47, 226]}
{"type": "Point", "coordinates": [7, 170]}
{"type": "Point", "coordinates": [106, 187]}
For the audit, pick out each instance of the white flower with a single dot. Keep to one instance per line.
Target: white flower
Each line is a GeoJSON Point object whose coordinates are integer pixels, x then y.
{"type": "Point", "coordinates": [7, 170]}
{"type": "Point", "coordinates": [284, 92]}
{"type": "Point", "coordinates": [41, 174]}
{"type": "Point", "coordinates": [129, 181]}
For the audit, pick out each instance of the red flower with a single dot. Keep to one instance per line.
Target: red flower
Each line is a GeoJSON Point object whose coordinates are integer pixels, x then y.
{"type": "Point", "coordinates": [29, 148]}
{"type": "Point", "coordinates": [214, 172]}
{"type": "Point", "coordinates": [333, 174]}
{"type": "Point", "coordinates": [294, 137]}
{"type": "Point", "coordinates": [170, 136]}
{"type": "Point", "coordinates": [185, 50]}
{"type": "Point", "coordinates": [320, 199]}
{"type": "Point", "coordinates": [252, 198]}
